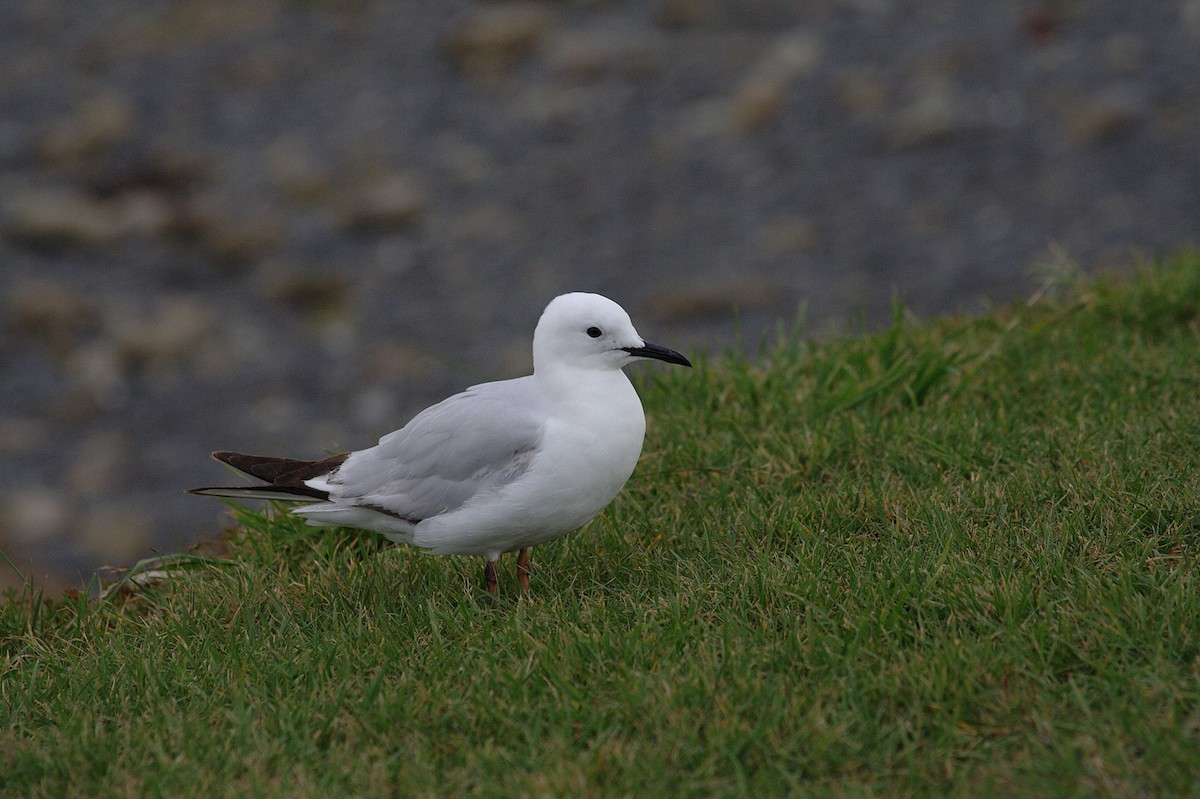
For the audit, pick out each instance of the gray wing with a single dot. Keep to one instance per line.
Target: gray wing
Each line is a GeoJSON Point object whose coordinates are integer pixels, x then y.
{"type": "Point", "coordinates": [470, 443]}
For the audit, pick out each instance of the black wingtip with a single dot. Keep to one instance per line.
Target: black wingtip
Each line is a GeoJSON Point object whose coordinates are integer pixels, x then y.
{"type": "Point", "coordinates": [298, 493]}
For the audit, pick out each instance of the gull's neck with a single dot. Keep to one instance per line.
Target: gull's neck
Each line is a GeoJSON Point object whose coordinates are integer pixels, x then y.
{"type": "Point", "coordinates": [581, 384]}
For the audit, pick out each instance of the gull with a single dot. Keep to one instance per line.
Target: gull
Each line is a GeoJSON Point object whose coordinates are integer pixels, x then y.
{"type": "Point", "coordinates": [500, 467]}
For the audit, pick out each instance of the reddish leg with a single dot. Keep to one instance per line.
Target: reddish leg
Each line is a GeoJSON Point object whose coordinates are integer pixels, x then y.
{"type": "Point", "coordinates": [489, 576]}
{"type": "Point", "coordinates": [523, 570]}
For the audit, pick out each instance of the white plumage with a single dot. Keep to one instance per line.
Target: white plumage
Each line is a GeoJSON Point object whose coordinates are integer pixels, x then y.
{"type": "Point", "coordinates": [502, 466]}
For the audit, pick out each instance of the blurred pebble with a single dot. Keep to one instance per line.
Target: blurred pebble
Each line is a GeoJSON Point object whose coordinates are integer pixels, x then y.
{"type": "Point", "coordinates": [494, 39]}
{"type": "Point", "coordinates": [100, 122]}
{"type": "Point", "coordinates": [1103, 115]}
{"type": "Point", "coordinates": [931, 117]}
{"type": "Point", "coordinates": [687, 13]}
{"type": "Point", "coordinates": [373, 408]}
{"type": "Point", "coordinates": [394, 361]}
{"type": "Point", "coordinates": [293, 166]}
{"type": "Point", "coordinates": [21, 434]}
{"type": "Point", "coordinates": [59, 216]}
{"type": "Point", "coordinates": [164, 338]}
{"type": "Point", "coordinates": [702, 300]}
{"type": "Point", "coordinates": [116, 532]}
{"type": "Point", "coordinates": [52, 313]}
{"type": "Point", "coordinates": [143, 214]}
{"type": "Point", "coordinates": [469, 162]}
{"type": "Point", "coordinates": [584, 55]}
{"type": "Point", "coordinates": [32, 515]}
{"type": "Point", "coordinates": [788, 237]}
{"type": "Point", "coordinates": [275, 414]}
{"type": "Point", "coordinates": [234, 240]}
{"type": "Point", "coordinates": [317, 294]}
{"type": "Point", "coordinates": [98, 380]}
{"type": "Point", "coordinates": [98, 461]}
{"type": "Point", "coordinates": [386, 202]}
{"type": "Point", "coordinates": [863, 90]}
{"type": "Point", "coordinates": [1125, 53]}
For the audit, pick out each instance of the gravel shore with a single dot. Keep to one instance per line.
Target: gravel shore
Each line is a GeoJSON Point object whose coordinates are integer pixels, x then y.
{"type": "Point", "coordinates": [288, 226]}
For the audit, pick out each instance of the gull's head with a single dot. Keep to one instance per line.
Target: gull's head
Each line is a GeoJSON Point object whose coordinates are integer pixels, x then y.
{"type": "Point", "coordinates": [587, 331]}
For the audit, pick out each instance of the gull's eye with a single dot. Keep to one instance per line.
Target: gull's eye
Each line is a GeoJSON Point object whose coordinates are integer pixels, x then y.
{"type": "Point", "coordinates": [595, 332]}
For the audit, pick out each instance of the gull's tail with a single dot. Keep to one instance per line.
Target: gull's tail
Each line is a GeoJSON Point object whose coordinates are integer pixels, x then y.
{"type": "Point", "coordinates": [285, 478]}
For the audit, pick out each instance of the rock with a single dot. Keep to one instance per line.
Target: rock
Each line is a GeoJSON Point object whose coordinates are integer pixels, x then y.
{"type": "Point", "coordinates": [788, 237]}
{"type": "Point", "coordinates": [469, 162]}
{"type": "Point", "coordinates": [99, 381]}
{"type": "Point", "coordinates": [373, 408]}
{"type": "Point", "coordinates": [99, 461]}
{"type": "Point", "coordinates": [394, 361]}
{"type": "Point", "coordinates": [512, 357]}
{"type": "Point", "coordinates": [318, 295]}
{"type": "Point", "coordinates": [687, 13]}
{"type": "Point", "coordinates": [725, 16]}
{"type": "Point", "coordinates": [21, 434]}
{"type": "Point", "coordinates": [33, 515]}
{"type": "Point", "coordinates": [704, 119]}
{"type": "Point", "coordinates": [863, 91]}
{"type": "Point", "coordinates": [1102, 116]}
{"type": "Point", "coordinates": [931, 117]}
{"type": "Point", "coordinates": [51, 313]}
{"type": "Point", "coordinates": [496, 38]}
{"type": "Point", "coordinates": [491, 224]}
{"type": "Point", "coordinates": [60, 217]}
{"type": "Point", "coordinates": [794, 54]}
{"type": "Point", "coordinates": [127, 38]}
{"type": "Point", "coordinates": [163, 339]}
{"type": "Point", "coordinates": [1006, 109]}
{"type": "Point", "coordinates": [762, 93]}
{"type": "Point", "coordinates": [715, 299]}
{"type": "Point", "coordinates": [143, 214]}
{"type": "Point", "coordinates": [244, 241]}
{"type": "Point", "coordinates": [154, 184]}
{"type": "Point", "coordinates": [385, 203]}
{"type": "Point", "coordinates": [276, 414]}
{"type": "Point", "coordinates": [927, 218]}
{"type": "Point", "coordinates": [757, 102]}
{"type": "Point", "coordinates": [175, 164]}
{"type": "Point", "coordinates": [234, 241]}
{"type": "Point", "coordinates": [295, 168]}
{"type": "Point", "coordinates": [117, 532]}
{"type": "Point", "coordinates": [102, 121]}
{"type": "Point", "coordinates": [1041, 24]}
{"type": "Point", "coordinates": [1125, 53]}
{"type": "Point", "coordinates": [238, 346]}
{"type": "Point", "coordinates": [585, 55]}
{"type": "Point", "coordinates": [561, 111]}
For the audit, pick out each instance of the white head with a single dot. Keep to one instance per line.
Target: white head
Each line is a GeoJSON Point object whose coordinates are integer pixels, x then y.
{"type": "Point", "coordinates": [587, 331]}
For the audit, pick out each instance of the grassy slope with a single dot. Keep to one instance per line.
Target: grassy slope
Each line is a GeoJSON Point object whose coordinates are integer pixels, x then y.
{"type": "Point", "coordinates": [955, 558]}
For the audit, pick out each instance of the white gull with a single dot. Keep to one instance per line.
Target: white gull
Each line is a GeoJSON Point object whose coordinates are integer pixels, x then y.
{"type": "Point", "coordinates": [502, 466]}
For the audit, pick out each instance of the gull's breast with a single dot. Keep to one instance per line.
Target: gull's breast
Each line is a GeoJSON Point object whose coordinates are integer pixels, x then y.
{"type": "Point", "coordinates": [587, 453]}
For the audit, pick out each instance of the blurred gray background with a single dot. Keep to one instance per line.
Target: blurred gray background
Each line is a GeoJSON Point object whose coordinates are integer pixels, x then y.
{"type": "Point", "coordinates": [288, 226]}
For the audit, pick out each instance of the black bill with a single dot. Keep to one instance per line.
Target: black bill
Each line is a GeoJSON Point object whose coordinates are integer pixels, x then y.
{"type": "Point", "coordinates": [648, 350]}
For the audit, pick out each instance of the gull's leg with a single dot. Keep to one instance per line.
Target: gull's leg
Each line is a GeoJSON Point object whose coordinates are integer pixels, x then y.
{"type": "Point", "coordinates": [523, 570]}
{"type": "Point", "coordinates": [489, 576]}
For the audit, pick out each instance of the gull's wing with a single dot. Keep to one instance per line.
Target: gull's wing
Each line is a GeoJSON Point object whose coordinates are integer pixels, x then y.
{"type": "Point", "coordinates": [472, 442]}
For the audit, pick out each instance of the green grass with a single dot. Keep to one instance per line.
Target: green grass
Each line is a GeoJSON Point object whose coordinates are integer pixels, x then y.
{"type": "Point", "coordinates": [955, 558]}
